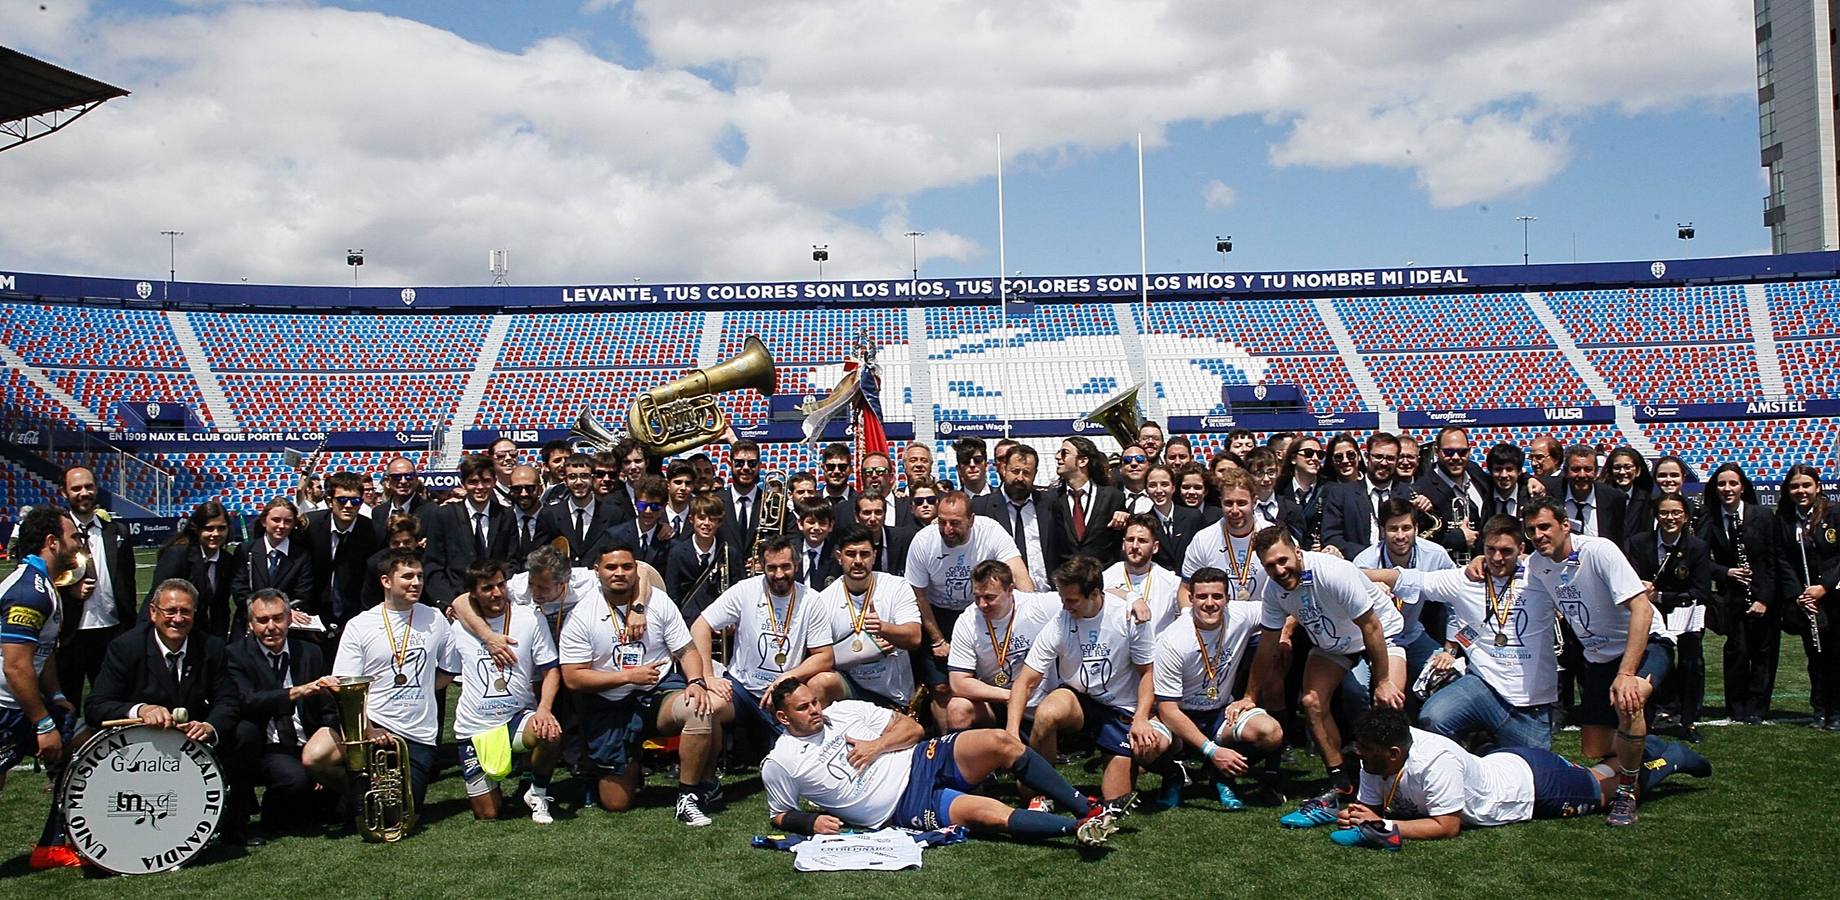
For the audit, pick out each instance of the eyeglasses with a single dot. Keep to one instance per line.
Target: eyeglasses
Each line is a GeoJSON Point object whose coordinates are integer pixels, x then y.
{"type": "Point", "coordinates": [523, 489]}
{"type": "Point", "coordinates": [1133, 459]}
{"type": "Point", "coordinates": [1347, 456]}
{"type": "Point", "coordinates": [875, 470]}
{"type": "Point", "coordinates": [1310, 453]}
{"type": "Point", "coordinates": [1381, 457]}
{"type": "Point", "coordinates": [647, 506]}
{"type": "Point", "coordinates": [606, 473]}
{"type": "Point", "coordinates": [925, 501]}
{"type": "Point", "coordinates": [175, 612]}
{"type": "Point", "coordinates": [1454, 451]}
{"type": "Point", "coordinates": [348, 501]}
{"type": "Point", "coordinates": [836, 467]}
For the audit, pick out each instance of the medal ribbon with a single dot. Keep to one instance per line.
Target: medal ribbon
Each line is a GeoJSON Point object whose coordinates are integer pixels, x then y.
{"type": "Point", "coordinates": [1207, 662]}
{"type": "Point", "coordinates": [1001, 650]}
{"type": "Point", "coordinates": [399, 652]}
{"type": "Point", "coordinates": [1501, 610]}
{"type": "Point", "coordinates": [792, 602]}
{"type": "Point", "coordinates": [1240, 569]}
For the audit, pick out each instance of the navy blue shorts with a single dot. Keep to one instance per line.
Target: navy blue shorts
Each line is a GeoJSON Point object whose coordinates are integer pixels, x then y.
{"type": "Point", "coordinates": [19, 735]}
{"type": "Point", "coordinates": [933, 782]}
{"type": "Point", "coordinates": [1208, 721]}
{"type": "Point", "coordinates": [1594, 707]}
{"type": "Point", "coordinates": [1561, 788]}
{"type": "Point", "coordinates": [1108, 726]}
{"type": "Point", "coordinates": [616, 728]}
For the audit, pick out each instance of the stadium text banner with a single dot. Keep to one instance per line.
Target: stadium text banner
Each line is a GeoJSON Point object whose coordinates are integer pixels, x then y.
{"type": "Point", "coordinates": [1760, 408]}
{"type": "Point", "coordinates": [882, 292]}
{"type": "Point", "coordinates": [1543, 415]}
{"type": "Point", "coordinates": [1362, 421]}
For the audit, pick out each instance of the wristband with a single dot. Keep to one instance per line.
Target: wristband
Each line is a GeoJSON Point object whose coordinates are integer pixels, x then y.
{"type": "Point", "coordinates": [46, 725]}
{"type": "Point", "coordinates": [60, 696]}
{"type": "Point", "coordinates": [799, 821]}
{"type": "Point", "coordinates": [1208, 748]}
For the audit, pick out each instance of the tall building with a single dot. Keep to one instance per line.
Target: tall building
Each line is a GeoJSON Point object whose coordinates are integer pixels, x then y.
{"type": "Point", "coordinates": [1796, 115]}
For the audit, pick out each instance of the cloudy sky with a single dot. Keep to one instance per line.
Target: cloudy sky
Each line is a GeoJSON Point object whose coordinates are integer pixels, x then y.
{"type": "Point", "coordinates": [665, 140]}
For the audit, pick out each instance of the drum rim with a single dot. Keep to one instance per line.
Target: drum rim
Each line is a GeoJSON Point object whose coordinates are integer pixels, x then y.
{"type": "Point", "coordinates": [97, 736]}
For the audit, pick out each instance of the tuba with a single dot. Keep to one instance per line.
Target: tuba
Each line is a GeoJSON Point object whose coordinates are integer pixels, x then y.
{"type": "Point", "coordinates": [1119, 417]}
{"type": "Point", "coordinates": [72, 568]}
{"type": "Point", "coordinates": [379, 774]}
{"type": "Point", "coordinates": [682, 414]}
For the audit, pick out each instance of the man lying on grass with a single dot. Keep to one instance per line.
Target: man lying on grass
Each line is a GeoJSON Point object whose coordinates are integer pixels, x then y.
{"type": "Point", "coordinates": [862, 765]}
{"type": "Point", "coordinates": [1423, 786]}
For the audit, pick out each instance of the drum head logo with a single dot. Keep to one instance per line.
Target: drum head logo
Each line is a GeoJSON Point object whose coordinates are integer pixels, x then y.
{"type": "Point", "coordinates": [408, 296]}
{"type": "Point", "coordinates": [143, 290]}
{"type": "Point", "coordinates": [1658, 269]}
{"type": "Point", "coordinates": [140, 799]}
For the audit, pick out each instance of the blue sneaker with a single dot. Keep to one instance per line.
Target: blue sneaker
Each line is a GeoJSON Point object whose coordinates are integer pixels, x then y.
{"type": "Point", "coordinates": [1228, 799]}
{"type": "Point", "coordinates": [1371, 835]}
{"type": "Point", "coordinates": [1318, 810]}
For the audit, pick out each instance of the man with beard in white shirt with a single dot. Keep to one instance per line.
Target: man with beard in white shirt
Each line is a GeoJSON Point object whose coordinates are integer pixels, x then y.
{"type": "Point", "coordinates": [989, 643]}
{"type": "Point", "coordinates": [1196, 663]}
{"type": "Point", "coordinates": [939, 564]}
{"type": "Point", "coordinates": [505, 709]}
{"type": "Point", "coordinates": [1149, 588]}
{"type": "Point", "coordinates": [631, 688]}
{"type": "Point", "coordinates": [1103, 662]}
{"type": "Point", "coordinates": [1347, 618]}
{"type": "Point", "coordinates": [1416, 785]}
{"type": "Point", "coordinates": [1612, 613]}
{"type": "Point", "coordinates": [400, 645]}
{"type": "Point", "coordinates": [1227, 545]}
{"type": "Point", "coordinates": [862, 766]}
{"type": "Point", "coordinates": [1401, 547]}
{"type": "Point", "coordinates": [780, 634]}
{"type": "Point", "coordinates": [874, 624]}
{"type": "Point", "coordinates": [1505, 637]}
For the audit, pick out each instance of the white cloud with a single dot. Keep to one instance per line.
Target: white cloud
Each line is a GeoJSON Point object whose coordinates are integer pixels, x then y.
{"type": "Point", "coordinates": [1217, 195]}
{"type": "Point", "coordinates": [276, 136]}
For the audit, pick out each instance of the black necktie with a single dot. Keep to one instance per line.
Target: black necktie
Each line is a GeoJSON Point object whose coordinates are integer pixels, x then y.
{"type": "Point", "coordinates": [210, 577]}
{"type": "Point", "coordinates": [645, 542]}
{"type": "Point", "coordinates": [1022, 536]}
{"type": "Point", "coordinates": [811, 574]}
{"type": "Point", "coordinates": [479, 533]}
{"type": "Point", "coordinates": [284, 724]}
{"type": "Point", "coordinates": [172, 663]}
{"type": "Point", "coordinates": [747, 524]}
{"type": "Point", "coordinates": [527, 525]}
{"type": "Point", "coordinates": [581, 530]}
{"type": "Point", "coordinates": [274, 566]}
{"type": "Point", "coordinates": [705, 563]}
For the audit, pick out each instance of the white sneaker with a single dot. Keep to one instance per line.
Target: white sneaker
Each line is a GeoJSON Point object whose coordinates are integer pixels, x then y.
{"type": "Point", "coordinates": [690, 812]}
{"type": "Point", "coordinates": [539, 807]}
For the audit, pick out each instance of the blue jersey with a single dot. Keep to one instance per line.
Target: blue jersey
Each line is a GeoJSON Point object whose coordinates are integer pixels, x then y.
{"type": "Point", "coordinates": [29, 614]}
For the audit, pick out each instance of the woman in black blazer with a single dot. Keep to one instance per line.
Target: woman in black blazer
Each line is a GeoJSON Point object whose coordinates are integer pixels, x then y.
{"type": "Point", "coordinates": [1300, 478]}
{"type": "Point", "coordinates": [276, 558]}
{"type": "Point", "coordinates": [200, 554]}
{"type": "Point", "coordinates": [1809, 534]}
{"type": "Point", "coordinates": [1742, 536]}
{"type": "Point", "coordinates": [1679, 565]}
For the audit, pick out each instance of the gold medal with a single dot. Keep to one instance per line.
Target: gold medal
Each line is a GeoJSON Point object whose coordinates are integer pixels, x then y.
{"type": "Point", "coordinates": [1501, 640]}
{"type": "Point", "coordinates": [401, 679]}
{"type": "Point", "coordinates": [1002, 679]}
{"type": "Point", "coordinates": [856, 645]}
{"type": "Point", "coordinates": [780, 658]}
{"type": "Point", "coordinates": [498, 684]}
{"type": "Point", "coordinates": [1213, 693]}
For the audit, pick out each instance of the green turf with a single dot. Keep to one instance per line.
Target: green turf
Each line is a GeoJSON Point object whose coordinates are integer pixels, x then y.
{"type": "Point", "coordinates": [1758, 828]}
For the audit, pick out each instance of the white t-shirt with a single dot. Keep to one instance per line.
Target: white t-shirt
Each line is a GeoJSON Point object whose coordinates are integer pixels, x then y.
{"type": "Point", "coordinates": [890, 674]}
{"type": "Point", "coordinates": [1181, 673]}
{"type": "Point", "coordinates": [973, 652]}
{"type": "Point", "coordinates": [1330, 596]}
{"type": "Point", "coordinates": [1098, 656]}
{"type": "Point", "coordinates": [817, 768]}
{"type": "Point", "coordinates": [1592, 588]}
{"type": "Point", "coordinates": [582, 585]}
{"type": "Point", "coordinates": [1441, 777]}
{"type": "Point", "coordinates": [365, 649]}
{"type": "Point", "coordinates": [753, 660]}
{"type": "Point", "coordinates": [591, 635]}
{"type": "Point", "coordinates": [1426, 557]}
{"type": "Point", "coordinates": [1525, 672]}
{"type": "Point", "coordinates": [483, 706]}
{"type": "Point", "coordinates": [1157, 587]}
{"type": "Point", "coordinates": [1214, 547]}
{"type": "Point", "coordinates": [945, 572]}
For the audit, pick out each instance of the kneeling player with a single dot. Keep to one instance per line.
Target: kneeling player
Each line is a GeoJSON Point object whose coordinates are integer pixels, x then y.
{"type": "Point", "coordinates": [1196, 660]}
{"type": "Point", "coordinates": [989, 642]}
{"type": "Point", "coordinates": [1423, 786]}
{"type": "Point", "coordinates": [504, 710]}
{"type": "Point", "coordinates": [629, 691]}
{"type": "Point", "coordinates": [859, 764]}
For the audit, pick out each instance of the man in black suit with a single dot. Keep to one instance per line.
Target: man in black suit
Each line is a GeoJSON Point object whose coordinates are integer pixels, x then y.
{"type": "Point", "coordinates": [1021, 502]}
{"type": "Point", "coordinates": [741, 500]}
{"type": "Point", "coordinates": [1593, 507]}
{"type": "Point", "coordinates": [286, 731]}
{"type": "Point", "coordinates": [278, 557]}
{"type": "Point", "coordinates": [582, 514]}
{"type": "Point", "coordinates": [1349, 525]}
{"type": "Point", "coordinates": [526, 489]}
{"type": "Point", "coordinates": [891, 541]}
{"type": "Point", "coordinates": [1454, 492]}
{"type": "Point", "coordinates": [817, 559]}
{"type": "Point", "coordinates": [402, 496]}
{"type": "Point", "coordinates": [158, 667]}
{"type": "Point", "coordinates": [110, 610]}
{"type": "Point", "coordinates": [836, 489]}
{"type": "Point", "coordinates": [1508, 493]}
{"type": "Point", "coordinates": [476, 528]}
{"type": "Point", "coordinates": [1089, 514]}
{"type": "Point", "coordinates": [646, 533]}
{"type": "Point", "coordinates": [693, 572]}
{"type": "Point", "coordinates": [342, 541]}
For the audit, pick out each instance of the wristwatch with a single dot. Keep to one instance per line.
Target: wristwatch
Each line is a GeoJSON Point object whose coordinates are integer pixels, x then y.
{"type": "Point", "coordinates": [638, 607]}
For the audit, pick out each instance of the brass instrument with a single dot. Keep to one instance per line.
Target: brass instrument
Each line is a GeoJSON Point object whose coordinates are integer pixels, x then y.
{"type": "Point", "coordinates": [683, 414]}
{"type": "Point", "coordinates": [379, 773]}
{"type": "Point", "coordinates": [770, 521]}
{"type": "Point", "coordinates": [73, 567]}
{"type": "Point", "coordinates": [1119, 416]}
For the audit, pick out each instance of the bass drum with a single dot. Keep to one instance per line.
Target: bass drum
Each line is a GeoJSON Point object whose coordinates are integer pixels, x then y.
{"type": "Point", "coordinates": [140, 799]}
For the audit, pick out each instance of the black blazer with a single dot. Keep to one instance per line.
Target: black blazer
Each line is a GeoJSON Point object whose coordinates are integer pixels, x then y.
{"type": "Point", "coordinates": [995, 505]}
{"type": "Point", "coordinates": [684, 567]}
{"type": "Point", "coordinates": [1102, 542]}
{"type": "Point", "coordinates": [1609, 503]}
{"type": "Point", "coordinates": [261, 698]}
{"type": "Point", "coordinates": [628, 533]}
{"type": "Point", "coordinates": [558, 520]}
{"type": "Point", "coordinates": [1757, 534]}
{"type": "Point", "coordinates": [900, 513]}
{"type": "Point", "coordinates": [452, 548]}
{"type": "Point", "coordinates": [1449, 535]}
{"type": "Point", "coordinates": [134, 671]}
{"type": "Point", "coordinates": [418, 507]}
{"type": "Point", "coordinates": [298, 578]}
{"type": "Point", "coordinates": [828, 570]}
{"type": "Point", "coordinates": [521, 547]}
{"type": "Point", "coordinates": [187, 561]}
{"type": "Point", "coordinates": [1821, 549]}
{"type": "Point", "coordinates": [1184, 523]}
{"type": "Point", "coordinates": [1348, 514]}
{"type": "Point", "coordinates": [1686, 582]}
{"type": "Point", "coordinates": [893, 543]}
{"type": "Point", "coordinates": [1494, 506]}
{"type": "Point", "coordinates": [1310, 509]}
{"type": "Point", "coordinates": [732, 530]}
{"type": "Point", "coordinates": [118, 555]}
{"type": "Point", "coordinates": [344, 573]}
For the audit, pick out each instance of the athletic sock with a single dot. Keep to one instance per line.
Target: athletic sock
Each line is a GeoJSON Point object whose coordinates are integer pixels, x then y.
{"type": "Point", "coordinates": [1037, 774]}
{"type": "Point", "coordinates": [539, 783]}
{"type": "Point", "coordinates": [1663, 758]}
{"type": "Point", "coordinates": [1341, 778]}
{"type": "Point", "coordinates": [1027, 823]}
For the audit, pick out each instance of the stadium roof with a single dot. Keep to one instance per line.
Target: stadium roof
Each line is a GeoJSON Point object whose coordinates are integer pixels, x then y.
{"type": "Point", "coordinates": [38, 98]}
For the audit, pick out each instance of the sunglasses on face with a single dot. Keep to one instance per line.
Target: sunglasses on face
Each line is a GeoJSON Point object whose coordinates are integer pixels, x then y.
{"type": "Point", "coordinates": [647, 506]}
{"type": "Point", "coordinates": [348, 501]}
{"type": "Point", "coordinates": [1347, 456]}
{"type": "Point", "coordinates": [876, 470]}
{"type": "Point", "coordinates": [925, 501]}
{"type": "Point", "coordinates": [523, 489]}
{"type": "Point", "coordinates": [1133, 459]}
{"type": "Point", "coordinates": [747, 463]}
{"type": "Point", "coordinates": [1309, 453]}
{"type": "Point", "coordinates": [603, 473]}
{"type": "Point", "coordinates": [399, 476]}
{"type": "Point", "coordinates": [837, 467]}
{"type": "Point", "coordinates": [1454, 451]}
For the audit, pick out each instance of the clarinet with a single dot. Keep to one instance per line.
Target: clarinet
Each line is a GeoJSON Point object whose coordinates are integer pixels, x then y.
{"type": "Point", "coordinates": [1744, 562]}
{"type": "Point", "coordinates": [1814, 616]}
